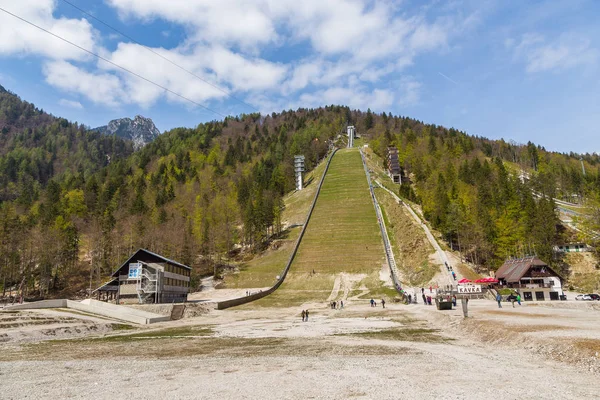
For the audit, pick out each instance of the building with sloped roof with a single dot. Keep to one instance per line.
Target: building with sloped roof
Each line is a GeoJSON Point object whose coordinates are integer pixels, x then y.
{"type": "Point", "coordinates": [147, 277]}
{"type": "Point", "coordinates": [532, 278]}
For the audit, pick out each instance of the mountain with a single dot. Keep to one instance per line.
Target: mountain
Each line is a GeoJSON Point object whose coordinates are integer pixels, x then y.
{"type": "Point", "coordinates": [36, 148]}
{"type": "Point", "coordinates": [140, 130]}
{"type": "Point", "coordinates": [201, 194]}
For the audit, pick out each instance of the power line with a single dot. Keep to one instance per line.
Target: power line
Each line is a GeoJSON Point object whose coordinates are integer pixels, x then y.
{"type": "Point", "coordinates": [160, 55]}
{"type": "Point", "coordinates": [112, 63]}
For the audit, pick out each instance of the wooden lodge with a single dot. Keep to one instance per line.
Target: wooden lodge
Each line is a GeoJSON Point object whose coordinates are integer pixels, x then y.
{"type": "Point", "coordinates": [532, 278]}
{"type": "Point", "coordinates": [147, 277]}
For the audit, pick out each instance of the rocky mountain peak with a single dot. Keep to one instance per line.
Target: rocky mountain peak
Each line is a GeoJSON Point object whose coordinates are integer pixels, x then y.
{"type": "Point", "coordinates": [140, 130]}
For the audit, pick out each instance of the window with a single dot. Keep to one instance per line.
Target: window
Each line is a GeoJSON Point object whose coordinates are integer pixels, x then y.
{"type": "Point", "coordinates": [539, 296]}
{"type": "Point", "coordinates": [553, 295]}
{"type": "Point", "coordinates": [527, 296]}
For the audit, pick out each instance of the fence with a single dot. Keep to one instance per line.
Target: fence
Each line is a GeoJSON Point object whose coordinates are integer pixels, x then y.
{"type": "Point", "coordinates": [389, 253]}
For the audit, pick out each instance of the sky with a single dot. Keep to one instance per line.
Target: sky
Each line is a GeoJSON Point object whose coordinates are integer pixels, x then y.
{"type": "Point", "coordinates": [518, 70]}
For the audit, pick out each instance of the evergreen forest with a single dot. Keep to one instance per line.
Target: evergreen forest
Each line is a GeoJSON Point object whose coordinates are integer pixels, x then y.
{"type": "Point", "coordinates": [75, 203]}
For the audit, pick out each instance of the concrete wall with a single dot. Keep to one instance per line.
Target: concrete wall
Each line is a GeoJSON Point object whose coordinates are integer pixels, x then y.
{"type": "Point", "coordinates": [114, 311]}
{"type": "Point", "coordinates": [247, 299]}
{"type": "Point", "coordinates": [96, 307]}
{"type": "Point", "coordinates": [59, 303]}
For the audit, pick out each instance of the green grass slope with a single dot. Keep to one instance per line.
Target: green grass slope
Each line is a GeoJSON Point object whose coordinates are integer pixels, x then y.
{"type": "Point", "coordinates": [342, 237]}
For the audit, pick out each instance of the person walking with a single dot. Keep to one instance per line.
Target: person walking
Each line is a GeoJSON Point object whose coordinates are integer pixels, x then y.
{"type": "Point", "coordinates": [372, 303]}
{"type": "Point", "coordinates": [430, 289]}
{"type": "Point", "coordinates": [424, 299]}
{"type": "Point", "coordinates": [306, 316]}
{"type": "Point", "coordinates": [454, 300]}
{"type": "Point", "coordinates": [519, 298]}
{"type": "Point", "coordinates": [512, 299]}
{"type": "Point", "coordinates": [383, 303]}
{"type": "Point", "coordinates": [303, 315]}
{"type": "Point", "coordinates": [499, 300]}
{"type": "Point", "coordinates": [422, 290]}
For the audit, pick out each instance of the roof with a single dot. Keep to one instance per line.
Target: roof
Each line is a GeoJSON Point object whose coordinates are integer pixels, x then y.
{"type": "Point", "coordinates": [515, 268]}
{"type": "Point", "coordinates": [134, 255]}
{"type": "Point", "coordinates": [109, 286]}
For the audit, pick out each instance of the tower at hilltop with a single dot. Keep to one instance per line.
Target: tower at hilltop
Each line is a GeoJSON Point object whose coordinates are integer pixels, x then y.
{"type": "Point", "coordinates": [351, 133]}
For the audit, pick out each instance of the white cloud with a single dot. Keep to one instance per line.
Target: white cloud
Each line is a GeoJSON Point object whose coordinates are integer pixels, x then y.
{"type": "Point", "coordinates": [18, 37]}
{"type": "Point", "coordinates": [224, 21]}
{"type": "Point", "coordinates": [409, 92]}
{"type": "Point", "coordinates": [353, 51]}
{"type": "Point", "coordinates": [71, 104]}
{"type": "Point", "coordinates": [566, 52]}
{"type": "Point", "coordinates": [377, 99]}
{"type": "Point", "coordinates": [100, 88]}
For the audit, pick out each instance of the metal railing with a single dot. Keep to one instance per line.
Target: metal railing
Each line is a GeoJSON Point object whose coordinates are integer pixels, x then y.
{"type": "Point", "coordinates": [389, 253]}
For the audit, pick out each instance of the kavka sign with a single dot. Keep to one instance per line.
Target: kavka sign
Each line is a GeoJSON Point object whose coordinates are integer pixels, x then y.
{"type": "Point", "coordinates": [469, 289]}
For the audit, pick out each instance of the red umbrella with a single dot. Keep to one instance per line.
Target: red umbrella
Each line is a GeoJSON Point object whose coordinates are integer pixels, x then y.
{"type": "Point", "coordinates": [465, 280]}
{"type": "Point", "coordinates": [487, 280]}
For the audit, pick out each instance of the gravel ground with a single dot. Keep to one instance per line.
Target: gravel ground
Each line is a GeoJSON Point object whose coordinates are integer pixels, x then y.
{"type": "Point", "coordinates": [272, 354]}
{"type": "Point", "coordinates": [442, 373]}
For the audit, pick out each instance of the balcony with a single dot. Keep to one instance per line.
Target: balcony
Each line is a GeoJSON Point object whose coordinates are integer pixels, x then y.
{"type": "Point", "coordinates": [529, 285]}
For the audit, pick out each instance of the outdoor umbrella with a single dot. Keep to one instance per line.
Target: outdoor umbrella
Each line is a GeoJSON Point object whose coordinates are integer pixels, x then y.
{"type": "Point", "coordinates": [465, 280]}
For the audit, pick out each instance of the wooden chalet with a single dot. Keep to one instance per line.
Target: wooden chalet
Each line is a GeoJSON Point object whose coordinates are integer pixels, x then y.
{"type": "Point", "coordinates": [147, 277]}
{"type": "Point", "coordinates": [532, 278]}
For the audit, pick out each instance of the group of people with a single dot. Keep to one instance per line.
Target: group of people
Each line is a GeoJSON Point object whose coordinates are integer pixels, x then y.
{"type": "Point", "coordinates": [512, 298]}
{"type": "Point", "coordinates": [449, 268]}
{"type": "Point", "coordinates": [304, 315]}
{"type": "Point", "coordinates": [337, 305]}
{"type": "Point", "coordinates": [374, 303]}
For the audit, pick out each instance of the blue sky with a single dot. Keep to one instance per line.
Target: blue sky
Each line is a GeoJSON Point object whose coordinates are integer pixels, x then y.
{"type": "Point", "coordinates": [518, 70]}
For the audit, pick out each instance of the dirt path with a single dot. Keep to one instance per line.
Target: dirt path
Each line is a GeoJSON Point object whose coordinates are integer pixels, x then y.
{"type": "Point", "coordinates": [403, 351]}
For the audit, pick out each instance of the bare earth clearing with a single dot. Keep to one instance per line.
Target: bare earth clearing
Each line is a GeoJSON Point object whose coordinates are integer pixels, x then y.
{"type": "Point", "coordinates": [536, 351]}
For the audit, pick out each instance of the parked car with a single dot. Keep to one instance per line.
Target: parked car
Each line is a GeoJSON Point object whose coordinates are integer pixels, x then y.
{"type": "Point", "coordinates": [594, 296]}
{"type": "Point", "coordinates": [583, 297]}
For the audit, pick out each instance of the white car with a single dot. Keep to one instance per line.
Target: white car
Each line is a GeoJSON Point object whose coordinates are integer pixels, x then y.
{"type": "Point", "coordinates": [583, 297]}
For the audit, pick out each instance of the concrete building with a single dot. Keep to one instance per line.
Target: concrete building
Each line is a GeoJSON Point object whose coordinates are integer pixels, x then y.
{"type": "Point", "coordinates": [532, 278]}
{"type": "Point", "coordinates": [393, 164]}
{"type": "Point", "coordinates": [147, 277]}
{"type": "Point", "coordinates": [572, 248]}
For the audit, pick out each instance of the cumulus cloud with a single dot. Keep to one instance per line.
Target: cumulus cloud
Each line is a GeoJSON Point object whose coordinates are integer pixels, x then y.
{"type": "Point", "coordinates": [71, 104]}
{"type": "Point", "coordinates": [102, 88]}
{"type": "Point", "coordinates": [18, 37]}
{"type": "Point", "coordinates": [225, 21]}
{"type": "Point", "coordinates": [566, 52]}
{"type": "Point", "coordinates": [352, 49]}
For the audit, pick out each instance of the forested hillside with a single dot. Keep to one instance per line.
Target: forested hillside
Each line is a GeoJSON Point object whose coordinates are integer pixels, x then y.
{"type": "Point", "coordinates": [472, 189]}
{"type": "Point", "coordinates": [35, 147]}
{"type": "Point", "coordinates": [75, 204]}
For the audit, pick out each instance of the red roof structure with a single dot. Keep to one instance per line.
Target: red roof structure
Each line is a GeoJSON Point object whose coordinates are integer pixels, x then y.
{"type": "Point", "coordinates": [516, 268]}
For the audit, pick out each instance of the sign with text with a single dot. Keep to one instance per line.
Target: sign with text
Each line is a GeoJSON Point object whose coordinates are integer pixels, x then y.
{"type": "Point", "coordinates": [134, 270]}
{"type": "Point", "coordinates": [469, 289]}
